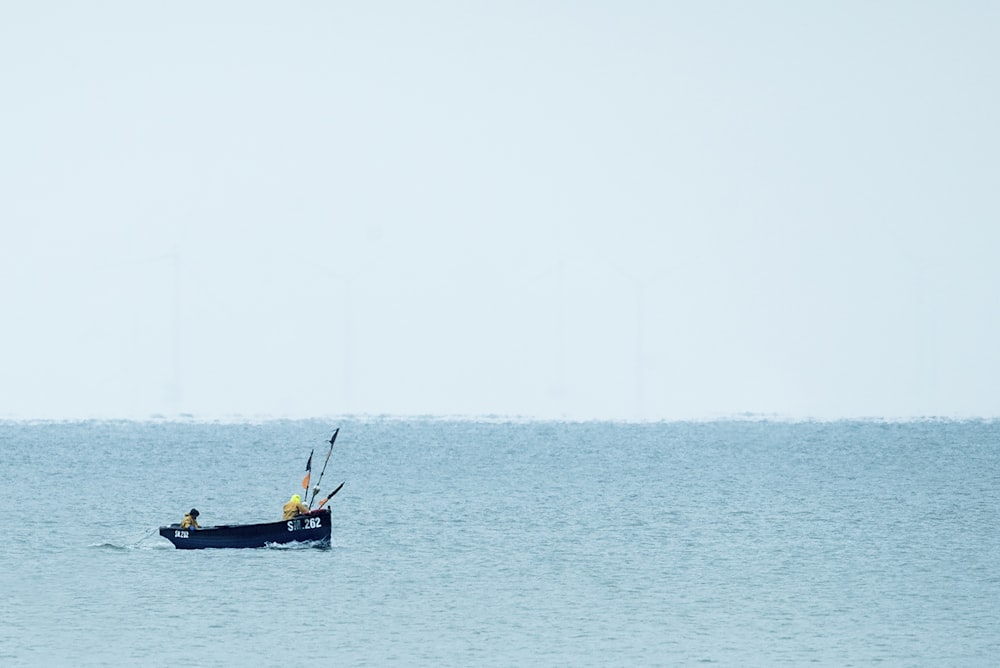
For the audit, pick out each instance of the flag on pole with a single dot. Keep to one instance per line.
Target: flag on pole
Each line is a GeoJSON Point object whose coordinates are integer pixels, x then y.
{"type": "Point", "coordinates": [309, 468]}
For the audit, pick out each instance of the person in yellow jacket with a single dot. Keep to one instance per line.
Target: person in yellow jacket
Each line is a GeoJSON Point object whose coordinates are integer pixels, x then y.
{"type": "Point", "coordinates": [190, 520]}
{"type": "Point", "coordinates": [295, 507]}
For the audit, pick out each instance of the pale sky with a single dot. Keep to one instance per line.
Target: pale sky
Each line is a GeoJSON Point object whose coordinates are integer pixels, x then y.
{"type": "Point", "coordinates": [582, 210]}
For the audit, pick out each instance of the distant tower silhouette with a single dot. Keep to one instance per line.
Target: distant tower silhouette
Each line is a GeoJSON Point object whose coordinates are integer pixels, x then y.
{"type": "Point", "coordinates": [175, 391]}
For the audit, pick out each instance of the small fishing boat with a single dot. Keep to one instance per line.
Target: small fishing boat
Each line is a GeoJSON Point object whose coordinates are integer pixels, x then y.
{"type": "Point", "coordinates": [313, 528]}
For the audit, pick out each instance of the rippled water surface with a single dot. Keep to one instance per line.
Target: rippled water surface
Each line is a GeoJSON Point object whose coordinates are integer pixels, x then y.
{"type": "Point", "coordinates": [496, 543]}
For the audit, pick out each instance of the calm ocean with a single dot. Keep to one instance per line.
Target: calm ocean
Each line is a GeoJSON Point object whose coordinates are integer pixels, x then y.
{"type": "Point", "coordinates": [467, 543]}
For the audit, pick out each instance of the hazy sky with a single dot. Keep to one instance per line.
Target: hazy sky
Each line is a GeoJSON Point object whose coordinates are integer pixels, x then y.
{"type": "Point", "coordinates": [635, 210]}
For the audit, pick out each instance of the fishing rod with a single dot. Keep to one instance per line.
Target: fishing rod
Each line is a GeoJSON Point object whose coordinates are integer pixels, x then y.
{"type": "Point", "coordinates": [153, 530]}
{"type": "Point", "coordinates": [318, 482]}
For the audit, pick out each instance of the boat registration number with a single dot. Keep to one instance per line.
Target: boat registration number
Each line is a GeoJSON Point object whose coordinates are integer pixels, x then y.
{"type": "Point", "coordinates": [305, 523]}
{"type": "Point", "coordinates": [180, 534]}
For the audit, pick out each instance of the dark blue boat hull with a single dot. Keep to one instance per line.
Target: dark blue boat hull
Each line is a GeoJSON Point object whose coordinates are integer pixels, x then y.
{"type": "Point", "coordinates": [314, 527]}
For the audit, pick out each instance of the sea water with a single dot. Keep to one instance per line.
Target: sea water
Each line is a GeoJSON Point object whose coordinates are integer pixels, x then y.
{"type": "Point", "coordinates": [466, 543]}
